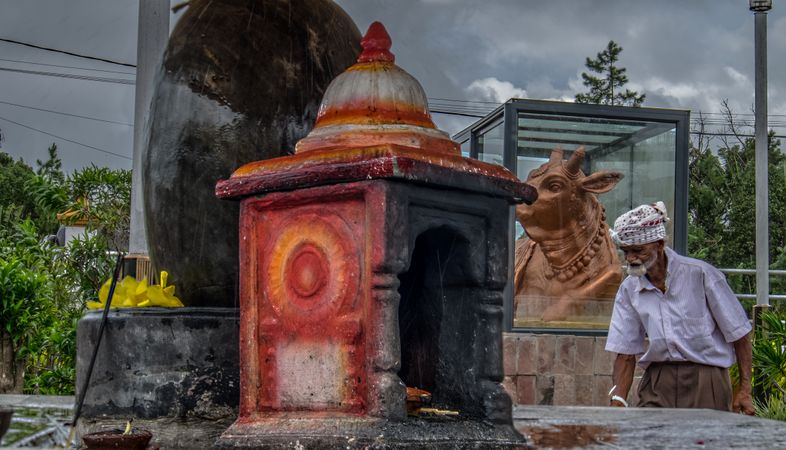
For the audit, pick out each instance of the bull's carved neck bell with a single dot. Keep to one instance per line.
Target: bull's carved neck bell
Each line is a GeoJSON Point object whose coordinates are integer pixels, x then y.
{"type": "Point", "coordinates": [579, 261]}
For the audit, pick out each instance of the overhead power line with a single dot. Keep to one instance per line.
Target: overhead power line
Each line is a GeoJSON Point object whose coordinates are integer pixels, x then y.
{"type": "Point", "coordinates": [70, 75]}
{"type": "Point", "coordinates": [66, 53]}
{"type": "Point", "coordinates": [479, 114]}
{"type": "Point", "coordinates": [67, 67]}
{"type": "Point", "coordinates": [731, 134]}
{"type": "Point", "coordinates": [66, 139]}
{"type": "Point", "coordinates": [67, 114]}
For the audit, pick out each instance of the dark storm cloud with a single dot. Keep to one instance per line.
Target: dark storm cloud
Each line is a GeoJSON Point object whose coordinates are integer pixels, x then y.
{"type": "Point", "coordinates": [96, 28]}
{"type": "Point", "coordinates": [682, 54]}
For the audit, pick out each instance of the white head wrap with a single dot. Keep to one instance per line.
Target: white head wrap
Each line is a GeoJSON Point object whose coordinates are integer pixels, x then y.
{"type": "Point", "coordinates": [641, 225]}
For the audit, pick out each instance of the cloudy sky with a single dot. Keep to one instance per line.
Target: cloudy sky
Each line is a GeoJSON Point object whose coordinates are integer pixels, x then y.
{"type": "Point", "coordinates": [685, 54]}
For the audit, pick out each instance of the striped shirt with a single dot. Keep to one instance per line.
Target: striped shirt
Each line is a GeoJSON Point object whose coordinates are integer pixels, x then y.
{"type": "Point", "coordinates": [697, 319]}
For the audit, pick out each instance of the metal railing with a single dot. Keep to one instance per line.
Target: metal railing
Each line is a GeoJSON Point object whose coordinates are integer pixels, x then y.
{"type": "Point", "coordinates": [777, 273]}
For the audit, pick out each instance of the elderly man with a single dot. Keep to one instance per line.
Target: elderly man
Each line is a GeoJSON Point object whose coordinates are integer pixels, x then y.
{"type": "Point", "coordinates": [693, 322]}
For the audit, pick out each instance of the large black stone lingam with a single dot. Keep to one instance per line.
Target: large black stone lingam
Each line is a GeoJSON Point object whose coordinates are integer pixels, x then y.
{"type": "Point", "coordinates": [241, 81]}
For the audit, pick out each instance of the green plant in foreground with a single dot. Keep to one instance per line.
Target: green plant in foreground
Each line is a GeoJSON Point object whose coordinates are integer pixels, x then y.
{"type": "Point", "coordinates": [769, 354]}
{"type": "Point", "coordinates": [21, 307]}
{"type": "Point", "coordinates": [43, 287]}
{"type": "Point", "coordinates": [771, 408]}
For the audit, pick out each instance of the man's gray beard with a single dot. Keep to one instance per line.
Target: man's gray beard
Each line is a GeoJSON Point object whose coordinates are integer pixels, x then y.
{"type": "Point", "coordinates": [639, 270]}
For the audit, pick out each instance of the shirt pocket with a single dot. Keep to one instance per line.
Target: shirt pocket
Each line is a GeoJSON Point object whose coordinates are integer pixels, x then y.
{"type": "Point", "coordinates": [697, 327]}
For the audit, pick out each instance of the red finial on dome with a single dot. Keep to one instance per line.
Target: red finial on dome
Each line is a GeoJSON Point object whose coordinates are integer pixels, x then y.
{"type": "Point", "coordinates": [376, 45]}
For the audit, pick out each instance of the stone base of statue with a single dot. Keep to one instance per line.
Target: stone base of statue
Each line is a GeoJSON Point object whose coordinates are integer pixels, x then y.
{"type": "Point", "coordinates": [174, 371]}
{"type": "Point", "coordinates": [535, 311]}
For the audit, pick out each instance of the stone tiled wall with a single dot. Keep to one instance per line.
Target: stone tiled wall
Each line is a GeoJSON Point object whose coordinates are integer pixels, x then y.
{"type": "Point", "coordinates": [548, 369]}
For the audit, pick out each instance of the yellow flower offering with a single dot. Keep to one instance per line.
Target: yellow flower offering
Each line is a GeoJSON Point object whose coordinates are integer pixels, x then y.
{"type": "Point", "coordinates": [130, 293]}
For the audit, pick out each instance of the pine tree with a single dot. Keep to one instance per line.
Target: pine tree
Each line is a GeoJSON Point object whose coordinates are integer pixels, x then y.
{"type": "Point", "coordinates": [52, 168]}
{"type": "Point", "coordinates": [607, 90]}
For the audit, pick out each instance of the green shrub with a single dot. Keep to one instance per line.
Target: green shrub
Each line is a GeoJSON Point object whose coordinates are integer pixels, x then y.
{"type": "Point", "coordinates": [22, 307]}
{"type": "Point", "coordinates": [771, 408]}
{"type": "Point", "coordinates": [43, 287]}
{"type": "Point", "coordinates": [22, 302]}
{"type": "Point", "coordinates": [769, 354]}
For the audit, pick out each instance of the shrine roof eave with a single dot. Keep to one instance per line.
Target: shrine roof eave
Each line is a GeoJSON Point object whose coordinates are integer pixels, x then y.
{"type": "Point", "coordinates": [388, 161]}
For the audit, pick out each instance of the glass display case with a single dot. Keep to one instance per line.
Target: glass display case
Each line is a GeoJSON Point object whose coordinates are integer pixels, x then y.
{"type": "Point", "coordinates": [643, 150]}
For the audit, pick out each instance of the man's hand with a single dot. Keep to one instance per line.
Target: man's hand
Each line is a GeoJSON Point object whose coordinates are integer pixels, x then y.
{"type": "Point", "coordinates": [622, 377]}
{"type": "Point", "coordinates": [743, 403]}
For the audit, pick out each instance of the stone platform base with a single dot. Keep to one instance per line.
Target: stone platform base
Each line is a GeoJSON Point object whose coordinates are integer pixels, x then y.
{"type": "Point", "coordinates": [160, 362]}
{"type": "Point", "coordinates": [546, 426]}
{"type": "Point", "coordinates": [364, 433]}
{"type": "Point", "coordinates": [175, 371]}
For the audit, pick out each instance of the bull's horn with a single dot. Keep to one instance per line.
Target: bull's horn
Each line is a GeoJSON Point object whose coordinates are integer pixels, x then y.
{"type": "Point", "coordinates": [574, 163]}
{"type": "Point", "coordinates": [556, 155]}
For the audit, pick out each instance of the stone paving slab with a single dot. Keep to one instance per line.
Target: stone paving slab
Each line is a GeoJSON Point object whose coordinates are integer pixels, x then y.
{"type": "Point", "coordinates": [564, 427]}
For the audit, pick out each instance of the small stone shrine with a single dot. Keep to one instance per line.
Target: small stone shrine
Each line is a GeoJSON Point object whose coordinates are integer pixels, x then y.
{"type": "Point", "coordinates": [373, 260]}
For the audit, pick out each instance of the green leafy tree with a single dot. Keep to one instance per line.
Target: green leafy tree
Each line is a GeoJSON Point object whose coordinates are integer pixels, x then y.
{"type": "Point", "coordinates": [103, 197]}
{"type": "Point", "coordinates": [20, 308]}
{"type": "Point", "coordinates": [23, 300]}
{"type": "Point", "coordinates": [52, 168]}
{"type": "Point", "coordinates": [44, 287]}
{"type": "Point", "coordinates": [607, 89]}
{"type": "Point", "coordinates": [14, 176]}
{"type": "Point", "coordinates": [47, 190]}
{"type": "Point", "coordinates": [722, 205]}
{"type": "Point", "coordinates": [39, 194]}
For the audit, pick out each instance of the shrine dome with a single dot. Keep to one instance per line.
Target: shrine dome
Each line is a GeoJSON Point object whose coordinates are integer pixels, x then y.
{"type": "Point", "coordinates": [375, 102]}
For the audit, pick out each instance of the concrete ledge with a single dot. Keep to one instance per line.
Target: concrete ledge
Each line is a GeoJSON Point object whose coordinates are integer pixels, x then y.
{"type": "Point", "coordinates": [645, 428]}
{"type": "Point", "coordinates": [546, 426]}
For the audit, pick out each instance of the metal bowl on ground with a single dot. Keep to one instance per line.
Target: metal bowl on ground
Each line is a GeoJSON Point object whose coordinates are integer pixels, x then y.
{"type": "Point", "coordinates": [138, 439]}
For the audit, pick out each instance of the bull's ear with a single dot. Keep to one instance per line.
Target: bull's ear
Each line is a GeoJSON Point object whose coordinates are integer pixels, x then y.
{"type": "Point", "coordinates": [600, 182]}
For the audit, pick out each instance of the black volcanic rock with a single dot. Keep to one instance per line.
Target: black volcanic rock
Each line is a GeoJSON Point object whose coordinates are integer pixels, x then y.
{"type": "Point", "coordinates": [241, 81]}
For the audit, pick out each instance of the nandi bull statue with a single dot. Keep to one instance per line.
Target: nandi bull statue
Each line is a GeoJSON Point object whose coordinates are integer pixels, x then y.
{"type": "Point", "coordinates": [567, 262]}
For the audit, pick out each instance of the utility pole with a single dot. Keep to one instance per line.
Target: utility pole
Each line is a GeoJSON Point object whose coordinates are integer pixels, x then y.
{"type": "Point", "coordinates": [760, 8]}
{"type": "Point", "coordinates": [153, 35]}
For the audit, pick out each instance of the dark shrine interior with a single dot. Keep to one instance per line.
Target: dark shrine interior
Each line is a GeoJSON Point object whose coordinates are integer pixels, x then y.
{"type": "Point", "coordinates": [434, 306]}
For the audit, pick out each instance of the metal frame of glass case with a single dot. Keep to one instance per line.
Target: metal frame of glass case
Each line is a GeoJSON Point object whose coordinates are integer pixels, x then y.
{"type": "Point", "coordinates": [601, 128]}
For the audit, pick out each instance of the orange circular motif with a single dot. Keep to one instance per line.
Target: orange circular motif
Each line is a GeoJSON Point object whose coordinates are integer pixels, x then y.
{"type": "Point", "coordinates": [307, 271]}
{"type": "Point", "coordinates": [312, 269]}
